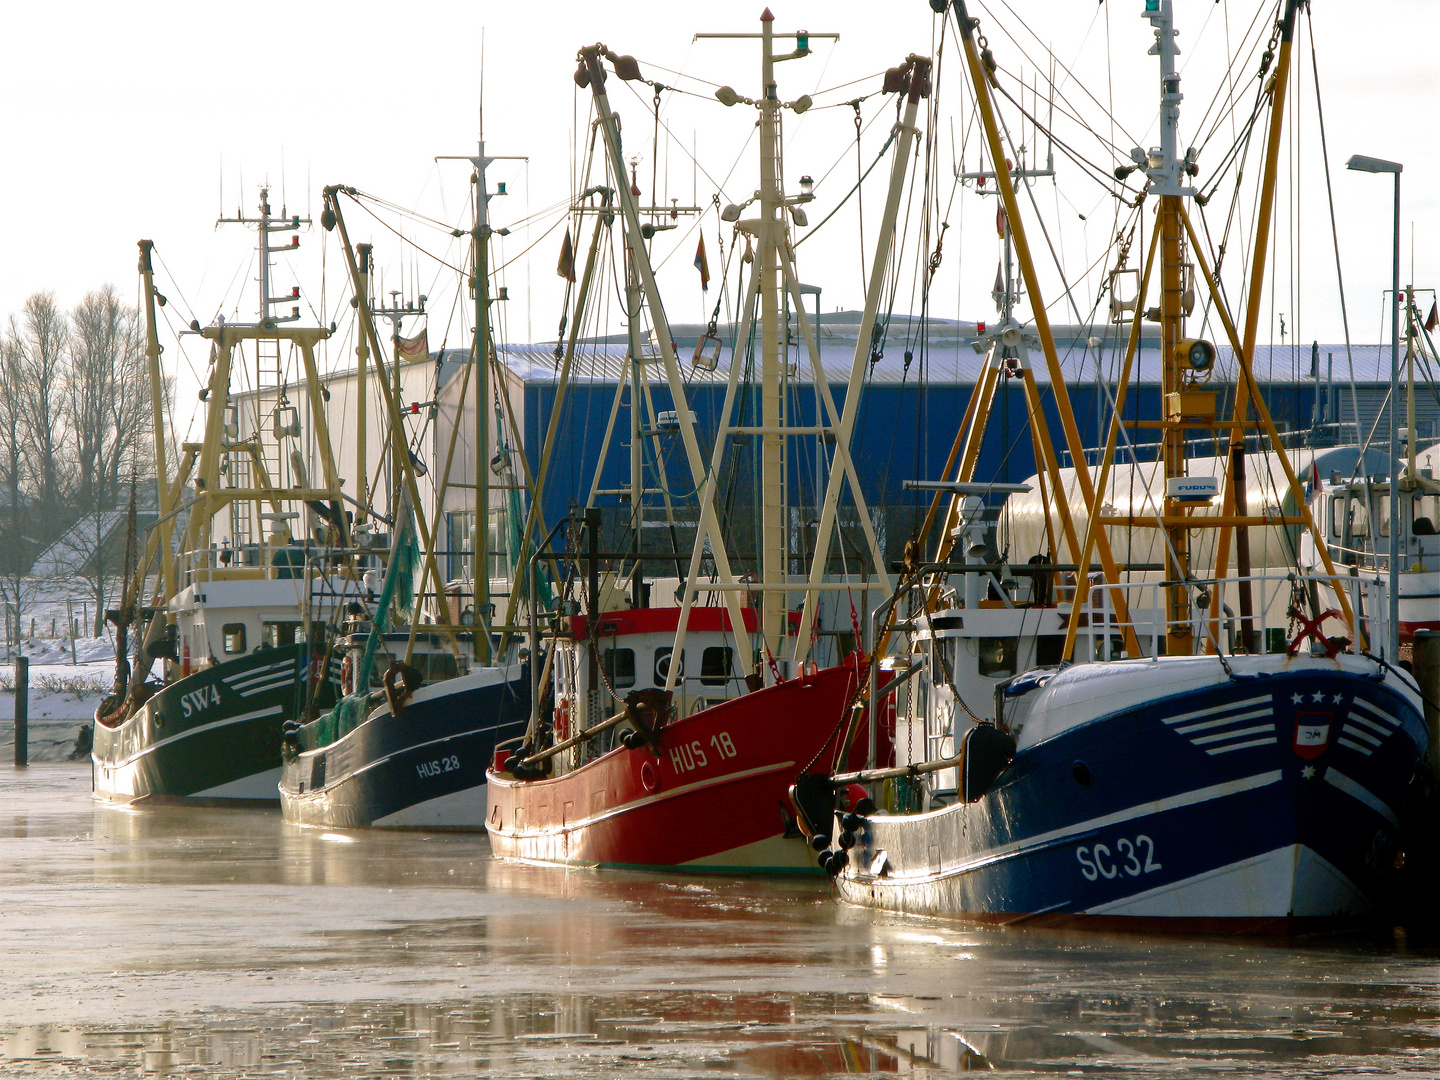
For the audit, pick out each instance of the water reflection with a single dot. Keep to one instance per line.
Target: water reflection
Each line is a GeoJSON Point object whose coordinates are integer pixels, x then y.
{"type": "Point", "coordinates": [169, 941]}
{"type": "Point", "coordinates": [571, 1035]}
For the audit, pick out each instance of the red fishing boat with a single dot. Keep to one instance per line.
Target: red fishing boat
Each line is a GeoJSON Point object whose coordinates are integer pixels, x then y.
{"type": "Point", "coordinates": [707, 790]}
{"type": "Point", "coordinates": [677, 732]}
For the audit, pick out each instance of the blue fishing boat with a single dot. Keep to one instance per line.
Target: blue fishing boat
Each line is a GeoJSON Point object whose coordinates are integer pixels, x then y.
{"type": "Point", "coordinates": [1122, 749]}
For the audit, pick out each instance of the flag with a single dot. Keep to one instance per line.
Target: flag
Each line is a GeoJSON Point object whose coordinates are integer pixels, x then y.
{"type": "Point", "coordinates": [1434, 319]}
{"type": "Point", "coordinates": [413, 348]}
{"type": "Point", "coordinates": [566, 267]}
{"type": "Point", "coordinates": [702, 264]}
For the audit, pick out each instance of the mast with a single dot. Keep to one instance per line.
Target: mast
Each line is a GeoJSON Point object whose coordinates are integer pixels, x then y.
{"type": "Point", "coordinates": [482, 347]}
{"type": "Point", "coordinates": [591, 73]}
{"type": "Point", "coordinates": [157, 419]}
{"type": "Point", "coordinates": [1166, 172]}
{"type": "Point", "coordinates": [913, 77]}
{"type": "Point", "coordinates": [1188, 363]}
{"type": "Point", "coordinates": [774, 518]}
{"type": "Point", "coordinates": [977, 58]}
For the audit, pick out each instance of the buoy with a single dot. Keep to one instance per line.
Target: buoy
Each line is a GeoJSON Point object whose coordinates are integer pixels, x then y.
{"type": "Point", "coordinates": [819, 843]}
{"type": "Point", "coordinates": [847, 840]}
{"type": "Point", "coordinates": [852, 822]}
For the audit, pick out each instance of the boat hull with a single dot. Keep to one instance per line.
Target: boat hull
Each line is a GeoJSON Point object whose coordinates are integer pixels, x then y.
{"type": "Point", "coordinates": [211, 738]}
{"type": "Point", "coordinates": [422, 768]}
{"type": "Point", "coordinates": [1267, 804]}
{"type": "Point", "coordinates": [715, 800]}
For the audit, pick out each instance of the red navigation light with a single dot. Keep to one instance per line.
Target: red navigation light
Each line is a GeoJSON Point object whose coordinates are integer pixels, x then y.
{"type": "Point", "coordinates": [295, 292]}
{"type": "Point", "coordinates": [979, 327]}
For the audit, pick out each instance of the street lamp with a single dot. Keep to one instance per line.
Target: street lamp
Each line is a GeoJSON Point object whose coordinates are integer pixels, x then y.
{"type": "Point", "coordinates": [1361, 163]}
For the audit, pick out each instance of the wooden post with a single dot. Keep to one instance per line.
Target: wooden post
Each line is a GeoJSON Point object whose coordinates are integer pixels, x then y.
{"type": "Point", "coordinates": [22, 712]}
{"type": "Point", "coordinates": [1425, 656]}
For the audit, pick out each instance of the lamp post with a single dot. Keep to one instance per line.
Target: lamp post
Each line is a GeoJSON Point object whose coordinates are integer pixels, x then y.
{"type": "Point", "coordinates": [1361, 163]}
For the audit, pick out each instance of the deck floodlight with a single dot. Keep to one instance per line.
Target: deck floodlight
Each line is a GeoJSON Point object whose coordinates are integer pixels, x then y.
{"type": "Point", "coordinates": [1196, 354]}
{"type": "Point", "coordinates": [730, 213]}
{"type": "Point", "coordinates": [800, 104]}
{"type": "Point", "coordinates": [726, 96]}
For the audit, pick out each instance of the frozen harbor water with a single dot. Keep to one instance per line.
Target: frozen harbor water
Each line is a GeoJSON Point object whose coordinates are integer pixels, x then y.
{"type": "Point", "coordinates": [179, 942]}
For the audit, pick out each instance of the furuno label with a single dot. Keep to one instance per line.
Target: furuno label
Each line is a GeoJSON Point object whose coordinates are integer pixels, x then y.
{"type": "Point", "coordinates": [199, 700]}
{"type": "Point", "coordinates": [1193, 488]}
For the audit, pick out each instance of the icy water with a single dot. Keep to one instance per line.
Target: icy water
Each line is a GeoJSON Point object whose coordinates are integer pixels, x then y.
{"type": "Point", "coordinates": [173, 942]}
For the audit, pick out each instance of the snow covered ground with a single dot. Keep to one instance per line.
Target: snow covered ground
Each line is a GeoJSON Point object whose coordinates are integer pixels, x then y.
{"type": "Point", "coordinates": [63, 694]}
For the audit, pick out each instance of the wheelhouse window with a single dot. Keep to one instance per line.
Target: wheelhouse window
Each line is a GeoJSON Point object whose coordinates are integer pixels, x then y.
{"type": "Point", "coordinates": [715, 665]}
{"type": "Point", "coordinates": [1425, 519]}
{"type": "Point", "coordinates": [278, 634]}
{"type": "Point", "coordinates": [1359, 517]}
{"type": "Point", "coordinates": [458, 525]}
{"type": "Point", "coordinates": [619, 666]}
{"type": "Point", "coordinates": [997, 656]}
{"type": "Point", "coordinates": [1049, 650]}
{"type": "Point", "coordinates": [662, 665]}
{"type": "Point", "coordinates": [232, 638]}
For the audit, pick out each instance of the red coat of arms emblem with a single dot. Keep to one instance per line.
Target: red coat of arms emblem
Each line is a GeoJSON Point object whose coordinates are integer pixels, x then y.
{"type": "Point", "coordinates": [1312, 733]}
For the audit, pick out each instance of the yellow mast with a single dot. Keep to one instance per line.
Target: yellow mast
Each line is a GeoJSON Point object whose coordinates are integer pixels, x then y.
{"type": "Point", "coordinates": [1188, 363]}
{"type": "Point", "coordinates": [978, 60]}
{"type": "Point", "coordinates": [1277, 85]}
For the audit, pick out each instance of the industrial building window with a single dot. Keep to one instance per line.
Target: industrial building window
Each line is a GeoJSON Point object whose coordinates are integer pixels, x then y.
{"type": "Point", "coordinates": [715, 666]}
{"type": "Point", "coordinates": [619, 666]}
{"type": "Point", "coordinates": [233, 638]}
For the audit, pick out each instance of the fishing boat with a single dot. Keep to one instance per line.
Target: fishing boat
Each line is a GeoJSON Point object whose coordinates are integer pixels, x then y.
{"type": "Point", "coordinates": [1163, 774]}
{"type": "Point", "coordinates": [647, 758]}
{"type": "Point", "coordinates": [409, 745]}
{"type": "Point", "coordinates": [240, 610]}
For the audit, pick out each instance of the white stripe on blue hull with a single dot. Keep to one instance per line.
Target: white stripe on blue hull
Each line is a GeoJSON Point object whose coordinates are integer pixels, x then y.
{"type": "Point", "coordinates": [458, 810]}
{"type": "Point", "coordinates": [1291, 881]}
{"type": "Point", "coordinates": [261, 785]}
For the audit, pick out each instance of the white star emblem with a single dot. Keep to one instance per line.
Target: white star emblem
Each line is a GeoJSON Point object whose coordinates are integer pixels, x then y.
{"type": "Point", "coordinates": [1297, 698]}
{"type": "Point", "coordinates": [1308, 772]}
{"type": "Point", "coordinates": [1336, 699]}
{"type": "Point", "coordinates": [1319, 695]}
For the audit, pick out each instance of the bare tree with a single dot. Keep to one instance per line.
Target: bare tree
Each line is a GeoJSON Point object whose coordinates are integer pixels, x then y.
{"type": "Point", "coordinates": [42, 336]}
{"type": "Point", "coordinates": [107, 405]}
{"type": "Point", "coordinates": [16, 546]}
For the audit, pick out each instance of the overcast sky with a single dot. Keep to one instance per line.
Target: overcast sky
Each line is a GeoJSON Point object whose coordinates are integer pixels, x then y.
{"type": "Point", "coordinates": [124, 121]}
